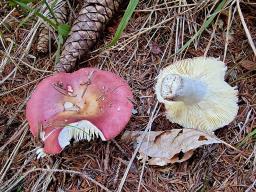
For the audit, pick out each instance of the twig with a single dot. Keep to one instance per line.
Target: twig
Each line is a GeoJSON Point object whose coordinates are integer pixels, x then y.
{"type": "Point", "coordinates": [252, 186]}
{"type": "Point", "coordinates": [12, 156]}
{"type": "Point", "coordinates": [24, 85]}
{"type": "Point", "coordinates": [245, 27]}
{"type": "Point", "coordinates": [151, 120]}
{"type": "Point", "coordinates": [74, 172]}
{"type": "Point", "coordinates": [7, 16]}
{"type": "Point", "coordinates": [106, 160]}
{"type": "Point", "coordinates": [15, 135]}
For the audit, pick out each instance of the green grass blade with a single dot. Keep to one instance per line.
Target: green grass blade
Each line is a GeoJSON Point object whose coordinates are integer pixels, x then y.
{"type": "Point", "coordinates": [60, 42]}
{"type": "Point", "coordinates": [36, 12]}
{"type": "Point", "coordinates": [50, 10]}
{"type": "Point", "coordinates": [63, 30]}
{"type": "Point", "coordinates": [250, 135]}
{"type": "Point", "coordinates": [25, 20]}
{"type": "Point", "coordinates": [127, 15]}
{"type": "Point", "coordinates": [205, 25]}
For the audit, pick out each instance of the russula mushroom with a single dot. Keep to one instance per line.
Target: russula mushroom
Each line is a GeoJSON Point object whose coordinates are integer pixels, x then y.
{"type": "Point", "coordinates": [196, 95]}
{"type": "Point", "coordinates": [83, 105]}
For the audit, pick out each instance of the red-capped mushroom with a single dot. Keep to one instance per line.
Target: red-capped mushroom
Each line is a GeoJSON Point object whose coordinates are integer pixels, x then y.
{"type": "Point", "coordinates": [86, 104]}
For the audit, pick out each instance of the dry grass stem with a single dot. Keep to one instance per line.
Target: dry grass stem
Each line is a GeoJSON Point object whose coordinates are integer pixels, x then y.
{"type": "Point", "coordinates": [155, 37]}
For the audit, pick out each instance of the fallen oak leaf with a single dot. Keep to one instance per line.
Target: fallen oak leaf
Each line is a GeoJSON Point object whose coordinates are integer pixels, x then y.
{"type": "Point", "coordinates": [173, 146]}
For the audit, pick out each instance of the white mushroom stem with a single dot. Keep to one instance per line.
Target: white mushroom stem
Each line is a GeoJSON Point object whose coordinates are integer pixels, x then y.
{"type": "Point", "coordinates": [177, 88]}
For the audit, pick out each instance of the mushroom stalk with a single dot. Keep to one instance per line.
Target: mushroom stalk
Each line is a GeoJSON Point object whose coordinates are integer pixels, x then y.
{"type": "Point", "coordinates": [177, 88]}
{"type": "Point", "coordinates": [196, 95]}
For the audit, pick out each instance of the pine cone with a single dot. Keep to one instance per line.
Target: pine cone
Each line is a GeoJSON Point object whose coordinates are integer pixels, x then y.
{"type": "Point", "coordinates": [85, 31]}
{"type": "Point", "coordinates": [61, 13]}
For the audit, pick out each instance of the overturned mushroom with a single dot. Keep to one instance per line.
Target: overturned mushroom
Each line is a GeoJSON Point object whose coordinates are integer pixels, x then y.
{"type": "Point", "coordinates": [83, 105]}
{"type": "Point", "coordinates": [195, 94]}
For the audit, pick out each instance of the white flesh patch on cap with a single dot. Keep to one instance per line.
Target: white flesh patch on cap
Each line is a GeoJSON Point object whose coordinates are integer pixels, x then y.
{"type": "Point", "coordinates": [81, 130]}
{"type": "Point", "coordinates": [68, 106]}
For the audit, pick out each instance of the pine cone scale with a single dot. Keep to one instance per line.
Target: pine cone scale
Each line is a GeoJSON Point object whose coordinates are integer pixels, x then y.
{"type": "Point", "coordinates": [46, 33]}
{"type": "Point", "coordinates": [91, 20]}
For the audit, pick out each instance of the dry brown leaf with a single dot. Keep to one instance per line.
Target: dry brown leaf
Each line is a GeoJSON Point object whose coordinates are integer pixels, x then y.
{"type": "Point", "coordinates": [248, 64]}
{"type": "Point", "coordinates": [174, 146]}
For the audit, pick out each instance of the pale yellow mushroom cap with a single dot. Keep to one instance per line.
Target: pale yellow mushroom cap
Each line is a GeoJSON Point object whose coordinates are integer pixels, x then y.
{"type": "Point", "coordinates": [218, 105]}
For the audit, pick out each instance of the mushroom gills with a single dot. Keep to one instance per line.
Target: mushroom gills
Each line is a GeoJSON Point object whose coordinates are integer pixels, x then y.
{"type": "Point", "coordinates": [81, 130]}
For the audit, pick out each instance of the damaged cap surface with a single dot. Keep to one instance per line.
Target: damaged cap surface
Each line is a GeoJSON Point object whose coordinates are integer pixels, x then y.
{"type": "Point", "coordinates": [96, 99]}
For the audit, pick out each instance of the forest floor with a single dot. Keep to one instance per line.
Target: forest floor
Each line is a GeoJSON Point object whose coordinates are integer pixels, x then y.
{"type": "Point", "coordinates": [155, 37]}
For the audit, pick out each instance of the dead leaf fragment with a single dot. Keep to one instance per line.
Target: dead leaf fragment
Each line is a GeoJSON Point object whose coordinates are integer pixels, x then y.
{"type": "Point", "coordinates": [248, 64]}
{"type": "Point", "coordinates": [174, 146]}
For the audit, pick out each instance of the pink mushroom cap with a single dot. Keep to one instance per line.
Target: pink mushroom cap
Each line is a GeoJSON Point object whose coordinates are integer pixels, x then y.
{"type": "Point", "coordinates": [100, 97]}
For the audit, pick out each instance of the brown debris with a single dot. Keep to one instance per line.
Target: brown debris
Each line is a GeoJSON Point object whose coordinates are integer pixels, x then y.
{"type": "Point", "coordinates": [211, 168]}
{"type": "Point", "coordinates": [248, 64]}
{"type": "Point", "coordinates": [88, 26]}
{"type": "Point", "coordinates": [173, 146]}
